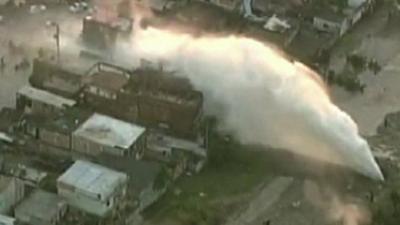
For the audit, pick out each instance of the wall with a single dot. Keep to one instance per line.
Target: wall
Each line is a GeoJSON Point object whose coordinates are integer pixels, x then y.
{"type": "Point", "coordinates": [325, 25]}
{"type": "Point", "coordinates": [11, 195]}
{"type": "Point", "coordinates": [56, 139]}
{"type": "Point", "coordinates": [85, 146]}
{"type": "Point", "coordinates": [89, 204]}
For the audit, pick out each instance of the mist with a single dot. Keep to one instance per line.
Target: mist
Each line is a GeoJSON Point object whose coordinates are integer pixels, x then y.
{"type": "Point", "coordinates": [260, 96]}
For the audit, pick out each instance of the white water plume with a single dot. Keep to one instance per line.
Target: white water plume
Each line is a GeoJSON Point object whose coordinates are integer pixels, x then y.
{"type": "Point", "coordinates": [265, 98]}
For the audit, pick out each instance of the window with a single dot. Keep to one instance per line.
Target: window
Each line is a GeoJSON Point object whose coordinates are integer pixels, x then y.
{"type": "Point", "coordinates": [29, 103]}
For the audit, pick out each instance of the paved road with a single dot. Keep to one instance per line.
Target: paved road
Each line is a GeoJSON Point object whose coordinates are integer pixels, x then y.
{"type": "Point", "coordinates": [262, 202]}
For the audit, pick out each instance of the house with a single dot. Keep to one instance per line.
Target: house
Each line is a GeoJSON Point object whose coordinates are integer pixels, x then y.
{"type": "Point", "coordinates": [328, 21]}
{"type": "Point", "coordinates": [35, 101]}
{"type": "Point", "coordinates": [55, 79]}
{"type": "Point", "coordinates": [55, 131]}
{"type": "Point", "coordinates": [104, 134]}
{"type": "Point", "coordinates": [185, 155]}
{"type": "Point", "coordinates": [41, 208]}
{"type": "Point", "coordinates": [6, 220]}
{"type": "Point", "coordinates": [336, 18]}
{"type": "Point", "coordinates": [28, 175]}
{"type": "Point", "coordinates": [12, 191]}
{"type": "Point", "coordinates": [105, 81]}
{"type": "Point", "coordinates": [147, 183]}
{"type": "Point", "coordinates": [149, 97]}
{"type": "Point", "coordinates": [92, 188]}
{"type": "Point", "coordinates": [165, 102]}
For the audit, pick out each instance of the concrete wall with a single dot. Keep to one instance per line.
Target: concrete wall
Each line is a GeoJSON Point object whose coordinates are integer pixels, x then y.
{"type": "Point", "coordinates": [11, 195]}
{"type": "Point", "coordinates": [56, 139]}
{"type": "Point", "coordinates": [85, 146]}
{"type": "Point", "coordinates": [326, 25]}
{"type": "Point", "coordinates": [89, 203]}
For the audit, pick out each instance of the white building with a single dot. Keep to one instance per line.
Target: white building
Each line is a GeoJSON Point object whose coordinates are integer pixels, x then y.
{"type": "Point", "coordinates": [103, 134]}
{"type": "Point", "coordinates": [11, 193]}
{"type": "Point", "coordinates": [340, 21]}
{"type": "Point", "coordinates": [92, 188]}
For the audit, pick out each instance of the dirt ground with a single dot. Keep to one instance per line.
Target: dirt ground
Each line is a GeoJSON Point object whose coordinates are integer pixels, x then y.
{"type": "Point", "coordinates": [376, 37]}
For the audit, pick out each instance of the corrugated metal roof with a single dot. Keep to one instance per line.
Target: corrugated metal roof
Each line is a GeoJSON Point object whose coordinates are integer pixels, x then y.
{"type": "Point", "coordinates": [92, 178]}
{"type": "Point", "coordinates": [46, 97]}
{"type": "Point", "coordinates": [109, 131]}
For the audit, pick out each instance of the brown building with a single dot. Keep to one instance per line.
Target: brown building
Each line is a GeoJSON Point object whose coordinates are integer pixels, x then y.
{"type": "Point", "coordinates": [148, 97]}
{"type": "Point", "coordinates": [55, 131]}
{"type": "Point", "coordinates": [60, 81]}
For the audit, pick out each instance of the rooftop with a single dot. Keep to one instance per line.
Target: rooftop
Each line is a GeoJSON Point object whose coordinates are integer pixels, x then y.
{"type": "Point", "coordinates": [6, 220]}
{"type": "Point", "coordinates": [107, 76]}
{"type": "Point", "coordinates": [164, 86]}
{"type": "Point", "coordinates": [108, 80]}
{"type": "Point", "coordinates": [160, 142]}
{"type": "Point", "coordinates": [93, 178]}
{"type": "Point", "coordinates": [41, 205]}
{"type": "Point", "coordinates": [109, 131]}
{"type": "Point", "coordinates": [46, 97]}
{"type": "Point", "coordinates": [66, 123]}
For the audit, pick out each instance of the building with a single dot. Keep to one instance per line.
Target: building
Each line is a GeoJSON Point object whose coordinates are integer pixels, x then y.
{"type": "Point", "coordinates": [35, 101]}
{"type": "Point", "coordinates": [103, 134]}
{"type": "Point", "coordinates": [105, 81]}
{"type": "Point", "coordinates": [41, 208]}
{"type": "Point", "coordinates": [55, 131]}
{"type": "Point", "coordinates": [5, 220]}
{"type": "Point", "coordinates": [335, 17]}
{"type": "Point", "coordinates": [92, 188]}
{"type": "Point", "coordinates": [103, 85]}
{"type": "Point", "coordinates": [148, 97]}
{"type": "Point", "coordinates": [165, 102]}
{"type": "Point", "coordinates": [11, 193]}
{"type": "Point", "coordinates": [60, 81]}
{"type": "Point", "coordinates": [183, 155]}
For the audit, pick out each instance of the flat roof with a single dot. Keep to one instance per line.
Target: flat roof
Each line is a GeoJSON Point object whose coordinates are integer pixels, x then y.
{"type": "Point", "coordinates": [46, 97]}
{"type": "Point", "coordinates": [6, 220]}
{"type": "Point", "coordinates": [40, 204]}
{"type": "Point", "coordinates": [108, 80]}
{"type": "Point", "coordinates": [161, 142]}
{"type": "Point", "coordinates": [92, 178]}
{"type": "Point", "coordinates": [108, 131]}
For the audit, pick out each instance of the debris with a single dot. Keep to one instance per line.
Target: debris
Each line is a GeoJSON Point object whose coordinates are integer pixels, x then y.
{"type": "Point", "coordinates": [37, 8]}
{"type": "Point", "coordinates": [296, 204]}
{"type": "Point", "coordinates": [79, 7]}
{"type": "Point", "coordinates": [277, 25]}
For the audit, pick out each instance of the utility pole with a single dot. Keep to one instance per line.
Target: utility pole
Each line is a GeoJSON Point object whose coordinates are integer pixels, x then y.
{"type": "Point", "coordinates": [56, 36]}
